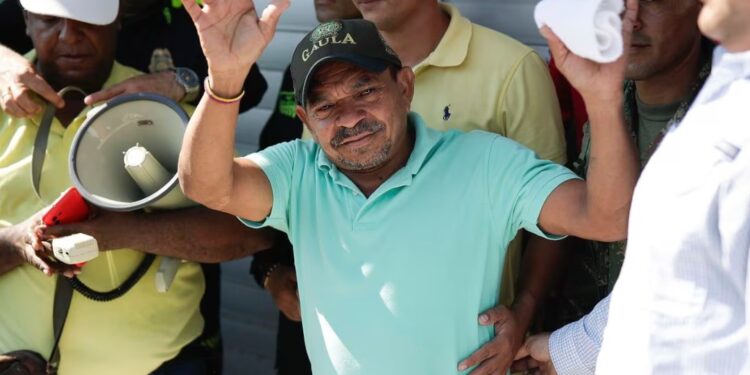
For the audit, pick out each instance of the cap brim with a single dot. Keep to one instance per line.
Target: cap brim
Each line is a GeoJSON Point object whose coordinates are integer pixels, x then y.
{"type": "Point", "coordinates": [99, 12]}
{"type": "Point", "coordinates": [368, 63]}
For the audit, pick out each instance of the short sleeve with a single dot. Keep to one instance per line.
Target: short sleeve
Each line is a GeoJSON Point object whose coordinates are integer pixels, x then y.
{"type": "Point", "coordinates": [530, 110]}
{"type": "Point", "coordinates": [519, 183]}
{"type": "Point", "coordinates": [278, 163]}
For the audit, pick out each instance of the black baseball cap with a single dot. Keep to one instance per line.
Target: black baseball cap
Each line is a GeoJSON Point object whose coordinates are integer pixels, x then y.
{"type": "Point", "coordinates": [356, 41]}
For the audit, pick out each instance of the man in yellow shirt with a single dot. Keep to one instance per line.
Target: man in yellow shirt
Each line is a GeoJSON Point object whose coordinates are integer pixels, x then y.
{"type": "Point", "coordinates": [136, 333]}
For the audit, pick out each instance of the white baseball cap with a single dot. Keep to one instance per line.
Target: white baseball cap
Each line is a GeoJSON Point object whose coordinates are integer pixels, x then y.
{"type": "Point", "coordinates": [97, 12]}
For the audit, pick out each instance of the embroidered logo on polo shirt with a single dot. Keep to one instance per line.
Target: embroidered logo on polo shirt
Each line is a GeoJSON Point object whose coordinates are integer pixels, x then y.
{"type": "Point", "coordinates": [447, 112]}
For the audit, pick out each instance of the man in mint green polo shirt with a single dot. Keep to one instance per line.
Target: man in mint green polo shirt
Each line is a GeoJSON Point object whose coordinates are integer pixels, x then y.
{"type": "Point", "coordinates": [395, 226]}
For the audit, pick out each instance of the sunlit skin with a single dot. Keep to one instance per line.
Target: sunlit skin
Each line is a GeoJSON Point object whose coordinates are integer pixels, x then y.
{"type": "Point", "coordinates": [664, 34]}
{"type": "Point", "coordinates": [359, 119]}
{"type": "Point", "coordinates": [328, 10]}
{"type": "Point", "coordinates": [389, 14]}
{"type": "Point", "coordinates": [728, 22]}
{"type": "Point", "coordinates": [665, 54]}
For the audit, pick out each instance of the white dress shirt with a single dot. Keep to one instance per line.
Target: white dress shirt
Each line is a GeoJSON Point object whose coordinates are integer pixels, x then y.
{"type": "Point", "coordinates": [679, 306]}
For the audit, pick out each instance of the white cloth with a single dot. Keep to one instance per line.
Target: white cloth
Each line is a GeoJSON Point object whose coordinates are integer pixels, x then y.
{"type": "Point", "coordinates": [99, 12]}
{"type": "Point", "coordinates": [589, 28]}
{"type": "Point", "coordinates": [575, 347]}
{"type": "Point", "coordinates": [680, 304]}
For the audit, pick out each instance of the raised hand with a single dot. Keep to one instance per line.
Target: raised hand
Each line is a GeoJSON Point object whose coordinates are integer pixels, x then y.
{"type": "Point", "coordinates": [591, 79]}
{"type": "Point", "coordinates": [233, 37]}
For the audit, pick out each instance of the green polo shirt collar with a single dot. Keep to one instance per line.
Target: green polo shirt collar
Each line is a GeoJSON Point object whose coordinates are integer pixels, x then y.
{"type": "Point", "coordinates": [454, 46]}
{"type": "Point", "coordinates": [424, 143]}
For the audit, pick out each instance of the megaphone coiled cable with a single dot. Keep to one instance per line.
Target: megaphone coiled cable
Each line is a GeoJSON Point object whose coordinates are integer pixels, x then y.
{"type": "Point", "coordinates": [118, 292]}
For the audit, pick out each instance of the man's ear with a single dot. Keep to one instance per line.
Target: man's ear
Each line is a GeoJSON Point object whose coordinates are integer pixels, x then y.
{"type": "Point", "coordinates": [302, 115]}
{"type": "Point", "coordinates": [405, 81]}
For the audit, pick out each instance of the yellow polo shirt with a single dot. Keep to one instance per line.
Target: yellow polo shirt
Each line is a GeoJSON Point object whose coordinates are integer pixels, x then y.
{"type": "Point", "coordinates": [133, 334]}
{"type": "Point", "coordinates": [480, 79]}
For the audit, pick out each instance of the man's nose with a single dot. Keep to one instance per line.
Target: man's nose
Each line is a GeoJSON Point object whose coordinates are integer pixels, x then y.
{"type": "Point", "coordinates": [638, 24]}
{"type": "Point", "coordinates": [70, 31]}
{"type": "Point", "coordinates": [349, 115]}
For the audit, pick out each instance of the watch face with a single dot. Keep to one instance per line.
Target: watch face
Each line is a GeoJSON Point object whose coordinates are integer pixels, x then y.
{"type": "Point", "coordinates": [188, 78]}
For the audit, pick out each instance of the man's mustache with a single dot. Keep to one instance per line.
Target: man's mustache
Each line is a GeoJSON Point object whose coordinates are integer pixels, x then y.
{"type": "Point", "coordinates": [363, 126]}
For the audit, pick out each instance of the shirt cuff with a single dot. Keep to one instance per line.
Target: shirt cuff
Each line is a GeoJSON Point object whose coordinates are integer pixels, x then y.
{"type": "Point", "coordinates": [572, 351]}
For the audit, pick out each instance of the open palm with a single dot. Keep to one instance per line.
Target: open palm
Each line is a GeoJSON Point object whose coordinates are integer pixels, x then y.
{"type": "Point", "coordinates": [231, 33]}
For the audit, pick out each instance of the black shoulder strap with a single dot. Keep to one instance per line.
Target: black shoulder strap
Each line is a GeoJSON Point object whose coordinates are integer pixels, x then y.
{"type": "Point", "coordinates": [42, 136]}
{"type": "Point", "coordinates": [63, 289]}
{"type": "Point", "coordinates": [63, 296]}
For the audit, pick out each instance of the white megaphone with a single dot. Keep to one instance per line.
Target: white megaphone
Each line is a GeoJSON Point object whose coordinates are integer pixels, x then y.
{"type": "Point", "coordinates": [124, 157]}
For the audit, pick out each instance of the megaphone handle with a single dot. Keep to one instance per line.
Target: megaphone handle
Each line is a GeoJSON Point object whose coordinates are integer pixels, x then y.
{"type": "Point", "coordinates": [166, 272]}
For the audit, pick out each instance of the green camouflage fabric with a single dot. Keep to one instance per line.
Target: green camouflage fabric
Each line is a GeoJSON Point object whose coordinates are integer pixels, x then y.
{"type": "Point", "coordinates": [593, 267]}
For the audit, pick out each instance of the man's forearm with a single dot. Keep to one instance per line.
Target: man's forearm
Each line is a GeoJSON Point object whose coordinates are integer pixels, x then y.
{"type": "Point", "coordinates": [613, 169]}
{"type": "Point", "coordinates": [539, 268]}
{"type": "Point", "coordinates": [196, 234]}
{"type": "Point", "coordinates": [206, 157]}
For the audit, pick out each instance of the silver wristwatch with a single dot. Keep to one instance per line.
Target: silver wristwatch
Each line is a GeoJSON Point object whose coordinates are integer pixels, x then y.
{"type": "Point", "coordinates": [189, 81]}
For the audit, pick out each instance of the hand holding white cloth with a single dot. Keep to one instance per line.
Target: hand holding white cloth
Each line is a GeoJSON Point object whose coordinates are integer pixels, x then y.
{"type": "Point", "coordinates": [589, 28]}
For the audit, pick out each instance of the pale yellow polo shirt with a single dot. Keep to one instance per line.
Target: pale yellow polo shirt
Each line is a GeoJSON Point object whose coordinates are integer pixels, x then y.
{"type": "Point", "coordinates": [480, 79]}
{"type": "Point", "coordinates": [130, 335]}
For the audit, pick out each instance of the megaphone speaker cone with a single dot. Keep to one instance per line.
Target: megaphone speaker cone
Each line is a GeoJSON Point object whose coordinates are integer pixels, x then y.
{"type": "Point", "coordinates": [124, 157]}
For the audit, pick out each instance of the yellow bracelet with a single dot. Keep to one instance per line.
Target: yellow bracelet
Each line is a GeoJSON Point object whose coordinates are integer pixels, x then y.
{"type": "Point", "coordinates": [212, 94]}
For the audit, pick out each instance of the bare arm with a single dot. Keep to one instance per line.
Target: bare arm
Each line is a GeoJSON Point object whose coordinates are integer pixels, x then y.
{"type": "Point", "coordinates": [539, 269]}
{"type": "Point", "coordinates": [196, 234]}
{"type": "Point", "coordinates": [598, 208]}
{"type": "Point", "coordinates": [232, 37]}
